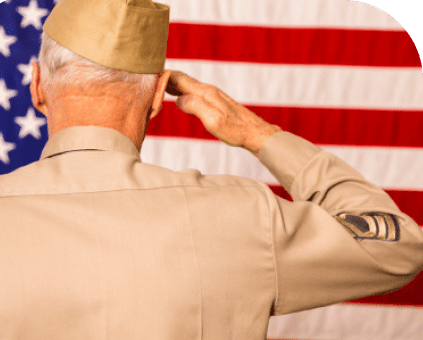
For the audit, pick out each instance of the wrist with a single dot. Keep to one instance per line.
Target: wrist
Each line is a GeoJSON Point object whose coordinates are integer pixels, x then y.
{"type": "Point", "coordinates": [259, 137]}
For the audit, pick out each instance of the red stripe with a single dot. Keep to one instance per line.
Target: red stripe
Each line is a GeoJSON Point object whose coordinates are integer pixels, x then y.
{"type": "Point", "coordinates": [292, 45]}
{"type": "Point", "coordinates": [320, 126]}
{"type": "Point", "coordinates": [410, 203]}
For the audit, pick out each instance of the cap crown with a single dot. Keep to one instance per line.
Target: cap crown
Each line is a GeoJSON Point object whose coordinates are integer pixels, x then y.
{"type": "Point", "coordinates": [129, 35]}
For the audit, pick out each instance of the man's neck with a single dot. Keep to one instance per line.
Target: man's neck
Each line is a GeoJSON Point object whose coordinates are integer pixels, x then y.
{"type": "Point", "coordinates": [104, 111]}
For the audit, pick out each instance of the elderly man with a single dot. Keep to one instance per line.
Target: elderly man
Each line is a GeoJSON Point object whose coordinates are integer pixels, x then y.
{"type": "Point", "coordinates": [98, 245]}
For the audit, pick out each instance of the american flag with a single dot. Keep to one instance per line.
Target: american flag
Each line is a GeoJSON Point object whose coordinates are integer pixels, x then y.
{"type": "Point", "coordinates": [342, 74]}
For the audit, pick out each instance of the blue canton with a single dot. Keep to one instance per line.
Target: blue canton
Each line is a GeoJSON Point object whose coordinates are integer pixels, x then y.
{"type": "Point", "coordinates": [23, 130]}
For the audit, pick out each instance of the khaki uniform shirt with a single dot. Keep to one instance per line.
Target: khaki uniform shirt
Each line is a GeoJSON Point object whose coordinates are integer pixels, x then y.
{"type": "Point", "coordinates": [95, 244]}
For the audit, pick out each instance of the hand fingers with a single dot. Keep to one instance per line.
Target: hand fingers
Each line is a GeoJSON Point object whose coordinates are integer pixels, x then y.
{"type": "Point", "coordinates": [190, 104]}
{"type": "Point", "coordinates": [180, 84]}
{"type": "Point", "coordinates": [196, 106]}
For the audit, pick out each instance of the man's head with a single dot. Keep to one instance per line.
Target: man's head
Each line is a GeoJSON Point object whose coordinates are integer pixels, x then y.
{"type": "Point", "coordinates": [62, 69]}
{"type": "Point", "coordinates": [112, 75]}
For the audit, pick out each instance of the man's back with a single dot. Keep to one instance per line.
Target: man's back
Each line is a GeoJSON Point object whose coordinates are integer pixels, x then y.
{"type": "Point", "coordinates": [95, 244]}
{"type": "Point", "coordinates": [100, 245]}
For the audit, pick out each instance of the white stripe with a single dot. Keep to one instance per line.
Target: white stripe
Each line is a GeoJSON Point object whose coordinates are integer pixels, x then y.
{"type": "Point", "coordinates": [350, 322]}
{"type": "Point", "coordinates": [311, 86]}
{"type": "Point", "coordinates": [286, 13]}
{"type": "Point", "coordinates": [388, 168]}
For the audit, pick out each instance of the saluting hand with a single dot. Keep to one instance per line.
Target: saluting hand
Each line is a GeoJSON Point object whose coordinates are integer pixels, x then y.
{"type": "Point", "coordinates": [222, 116]}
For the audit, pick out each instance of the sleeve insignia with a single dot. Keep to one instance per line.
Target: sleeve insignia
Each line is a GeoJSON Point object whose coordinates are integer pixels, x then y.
{"type": "Point", "coordinates": [371, 226]}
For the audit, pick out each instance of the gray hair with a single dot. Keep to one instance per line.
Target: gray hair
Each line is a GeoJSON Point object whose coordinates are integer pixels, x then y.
{"type": "Point", "coordinates": [61, 67]}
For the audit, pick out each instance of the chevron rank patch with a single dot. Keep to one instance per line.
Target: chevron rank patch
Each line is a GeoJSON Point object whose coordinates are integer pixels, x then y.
{"type": "Point", "coordinates": [371, 226]}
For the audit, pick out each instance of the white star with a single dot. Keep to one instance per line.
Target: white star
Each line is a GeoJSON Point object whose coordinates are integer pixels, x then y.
{"type": "Point", "coordinates": [26, 70]}
{"type": "Point", "coordinates": [32, 15]}
{"type": "Point", "coordinates": [30, 125]}
{"type": "Point", "coordinates": [6, 94]}
{"type": "Point", "coordinates": [5, 42]}
{"type": "Point", "coordinates": [5, 148]}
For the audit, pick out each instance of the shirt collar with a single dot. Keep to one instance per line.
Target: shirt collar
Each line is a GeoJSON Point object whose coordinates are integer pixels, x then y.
{"type": "Point", "coordinates": [88, 138]}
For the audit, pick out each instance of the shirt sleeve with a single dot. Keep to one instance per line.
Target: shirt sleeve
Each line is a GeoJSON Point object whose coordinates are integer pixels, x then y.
{"type": "Point", "coordinates": [342, 238]}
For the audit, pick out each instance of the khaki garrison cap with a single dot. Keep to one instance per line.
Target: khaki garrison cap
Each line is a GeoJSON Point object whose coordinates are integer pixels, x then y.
{"type": "Point", "coordinates": [128, 35]}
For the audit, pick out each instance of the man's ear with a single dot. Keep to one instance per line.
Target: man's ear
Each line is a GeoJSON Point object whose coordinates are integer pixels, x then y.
{"type": "Point", "coordinates": [37, 93]}
{"type": "Point", "coordinates": [160, 92]}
